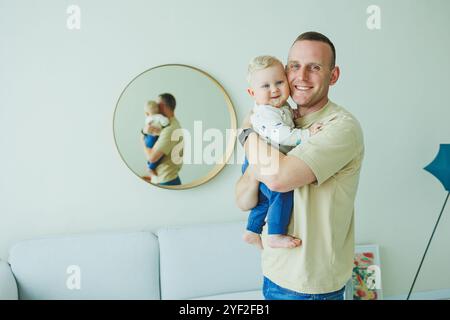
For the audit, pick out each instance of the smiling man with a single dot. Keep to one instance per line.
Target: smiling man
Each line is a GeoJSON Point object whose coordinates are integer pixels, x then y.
{"type": "Point", "coordinates": [324, 174]}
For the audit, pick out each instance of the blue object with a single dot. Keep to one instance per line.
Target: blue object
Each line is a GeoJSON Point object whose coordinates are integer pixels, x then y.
{"type": "Point", "coordinates": [150, 141]}
{"type": "Point", "coordinates": [440, 166]}
{"type": "Point", "coordinates": [153, 165]}
{"type": "Point", "coordinates": [277, 206]}
{"type": "Point", "coordinates": [272, 291]}
{"type": "Point", "coordinates": [174, 182]}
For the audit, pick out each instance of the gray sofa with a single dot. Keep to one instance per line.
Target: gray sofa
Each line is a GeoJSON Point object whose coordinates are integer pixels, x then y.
{"type": "Point", "coordinates": [190, 262]}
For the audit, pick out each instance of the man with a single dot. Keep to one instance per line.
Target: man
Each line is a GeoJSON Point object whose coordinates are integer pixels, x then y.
{"type": "Point", "coordinates": [324, 174]}
{"type": "Point", "coordinates": [168, 168]}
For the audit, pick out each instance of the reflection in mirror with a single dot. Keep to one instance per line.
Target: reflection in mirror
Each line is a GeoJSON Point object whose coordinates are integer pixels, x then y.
{"type": "Point", "coordinates": [175, 126]}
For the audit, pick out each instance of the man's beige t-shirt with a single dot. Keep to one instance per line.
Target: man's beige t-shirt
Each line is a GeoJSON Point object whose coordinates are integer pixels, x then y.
{"type": "Point", "coordinates": [171, 163]}
{"type": "Point", "coordinates": [323, 213]}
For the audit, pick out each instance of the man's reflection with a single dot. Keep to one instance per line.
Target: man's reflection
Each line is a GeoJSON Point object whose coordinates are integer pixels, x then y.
{"type": "Point", "coordinates": [158, 143]}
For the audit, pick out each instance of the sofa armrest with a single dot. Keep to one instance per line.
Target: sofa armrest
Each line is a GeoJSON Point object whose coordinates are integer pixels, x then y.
{"type": "Point", "coordinates": [8, 285]}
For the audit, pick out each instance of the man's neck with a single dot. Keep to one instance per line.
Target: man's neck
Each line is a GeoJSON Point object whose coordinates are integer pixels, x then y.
{"type": "Point", "coordinates": [304, 111]}
{"type": "Point", "coordinates": [170, 115]}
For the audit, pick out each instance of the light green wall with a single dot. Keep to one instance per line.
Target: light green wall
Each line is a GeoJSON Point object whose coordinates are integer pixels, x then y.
{"type": "Point", "coordinates": [60, 171]}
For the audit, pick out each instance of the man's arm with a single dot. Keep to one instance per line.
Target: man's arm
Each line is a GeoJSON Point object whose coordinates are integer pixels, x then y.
{"type": "Point", "coordinates": [150, 154]}
{"type": "Point", "coordinates": [153, 155]}
{"type": "Point", "coordinates": [246, 191]}
{"type": "Point", "coordinates": [247, 187]}
{"type": "Point", "coordinates": [279, 172]}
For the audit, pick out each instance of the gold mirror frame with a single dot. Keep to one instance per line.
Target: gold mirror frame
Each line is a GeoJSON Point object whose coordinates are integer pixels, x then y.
{"type": "Point", "coordinates": [230, 145]}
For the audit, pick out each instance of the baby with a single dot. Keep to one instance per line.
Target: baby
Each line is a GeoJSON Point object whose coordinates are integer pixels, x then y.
{"type": "Point", "coordinates": [273, 120]}
{"type": "Point", "coordinates": [155, 120]}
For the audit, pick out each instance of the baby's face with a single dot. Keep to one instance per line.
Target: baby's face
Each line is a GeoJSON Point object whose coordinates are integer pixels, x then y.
{"type": "Point", "coordinates": [270, 86]}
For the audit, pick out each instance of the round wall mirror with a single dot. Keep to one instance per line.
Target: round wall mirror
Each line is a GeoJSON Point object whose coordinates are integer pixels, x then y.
{"type": "Point", "coordinates": [174, 126]}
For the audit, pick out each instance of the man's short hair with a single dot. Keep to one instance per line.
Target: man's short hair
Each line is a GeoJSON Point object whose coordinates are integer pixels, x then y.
{"type": "Point", "coordinates": [316, 36]}
{"type": "Point", "coordinates": [261, 63]}
{"type": "Point", "coordinates": [169, 100]}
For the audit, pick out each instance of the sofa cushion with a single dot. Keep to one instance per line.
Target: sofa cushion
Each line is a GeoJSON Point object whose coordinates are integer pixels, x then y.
{"type": "Point", "coordinates": [95, 266]}
{"type": "Point", "coordinates": [207, 260]}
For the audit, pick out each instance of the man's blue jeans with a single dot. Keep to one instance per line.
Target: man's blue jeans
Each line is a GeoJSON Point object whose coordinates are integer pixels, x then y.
{"type": "Point", "coordinates": [272, 291]}
{"type": "Point", "coordinates": [174, 182]}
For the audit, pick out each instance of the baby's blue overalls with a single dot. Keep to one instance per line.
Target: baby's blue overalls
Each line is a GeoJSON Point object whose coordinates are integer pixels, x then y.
{"type": "Point", "coordinates": [150, 141]}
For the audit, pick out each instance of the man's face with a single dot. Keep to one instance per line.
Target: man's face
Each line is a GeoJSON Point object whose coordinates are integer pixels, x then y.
{"type": "Point", "coordinates": [162, 106]}
{"type": "Point", "coordinates": [270, 86]}
{"type": "Point", "coordinates": [309, 73]}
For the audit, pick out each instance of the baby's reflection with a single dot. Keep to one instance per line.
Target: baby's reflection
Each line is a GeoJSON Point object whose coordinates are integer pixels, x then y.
{"type": "Point", "coordinates": [154, 122]}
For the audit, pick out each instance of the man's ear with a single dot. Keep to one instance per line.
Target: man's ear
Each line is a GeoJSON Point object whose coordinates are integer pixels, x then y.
{"type": "Point", "coordinates": [162, 109]}
{"type": "Point", "coordinates": [251, 92]}
{"type": "Point", "coordinates": [335, 73]}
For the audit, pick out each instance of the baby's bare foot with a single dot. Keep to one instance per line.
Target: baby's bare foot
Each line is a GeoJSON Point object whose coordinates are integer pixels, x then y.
{"type": "Point", "coordinates": [253, 238]}
{"type": "Point", "coordinates": [282, 241]}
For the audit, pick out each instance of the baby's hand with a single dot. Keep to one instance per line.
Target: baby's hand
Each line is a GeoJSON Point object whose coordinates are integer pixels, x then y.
{"type": "Point", "coordinates": [146, 129]}
{"type": "Point", "coordinates": [296, 113]}
{"type": "Point", "coordinates": [315, 128]}
{"type": "Point", "coordinates": [153, 130]}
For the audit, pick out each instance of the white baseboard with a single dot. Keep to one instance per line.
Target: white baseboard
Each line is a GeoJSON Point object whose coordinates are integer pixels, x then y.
{"type": "Point", "coordinates": [443, 294]}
